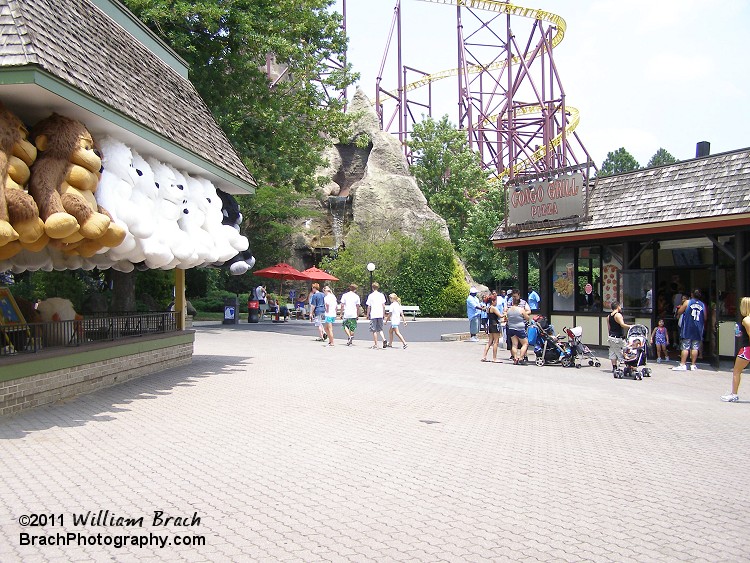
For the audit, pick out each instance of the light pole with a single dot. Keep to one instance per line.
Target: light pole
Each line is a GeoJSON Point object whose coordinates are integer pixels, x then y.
{"type": "Point", "coordinates": [371, 269]}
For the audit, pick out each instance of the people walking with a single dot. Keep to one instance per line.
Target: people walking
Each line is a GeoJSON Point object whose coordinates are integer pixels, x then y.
{"type": "Point", "coordinates": [516, 317]}
{"type": "Point", "coordinates": [317, 310]}
{"type": "Point", "coordinates": [350, 308]}
{"type": "Point", "coordinates": [660, 340]}
{"type": "Point", "coordinates": [494, 328]}
{"type": "Point", "coordinates": [331, 308]}
{"type": "Point", "coordinates": [692, 319]}
{"type": "Point", "coordinates": [396, 316]}
{"type": "Point", "coordinates": [376, 313]}
{"type": "Point", "coordinates": [743, 357]}
{"type": "Point", "coordinates": [616, 334]}
{"type": "Point", "coordinates": [473, 313]}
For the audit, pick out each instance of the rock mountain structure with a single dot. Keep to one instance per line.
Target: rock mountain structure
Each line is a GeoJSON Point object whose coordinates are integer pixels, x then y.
{"type": "Point", "coordinates": [369, 185]}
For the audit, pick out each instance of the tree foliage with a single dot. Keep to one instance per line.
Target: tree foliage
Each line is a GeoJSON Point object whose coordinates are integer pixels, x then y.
{"type": "Point", "coordinates": [486, 264]}
{"type": "Point", "coordinates": [660, 158]}
{"type": "Point", "coordinates": [618, 162]}
{"type": "Point", "coordinates": [278, 127]}
{"type": "Point", "coordinates": [423, 271]}
{"type": "Point", "coordinates": [447, 171]}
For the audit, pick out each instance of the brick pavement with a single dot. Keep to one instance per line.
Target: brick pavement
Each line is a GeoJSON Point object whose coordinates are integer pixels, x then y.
{"type": "Point", "coordinates": [290, 451]}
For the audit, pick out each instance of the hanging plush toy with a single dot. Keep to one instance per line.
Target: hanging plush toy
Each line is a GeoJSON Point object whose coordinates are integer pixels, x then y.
{"type": "Point", "coordinates": [20, 226]}
{"type": "Point", "coordinates": [63, 181]}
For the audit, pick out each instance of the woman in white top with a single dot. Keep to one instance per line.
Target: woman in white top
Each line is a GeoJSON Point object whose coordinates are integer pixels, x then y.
{"type": "Point", "coordinates": [331, 306]}
{"type": "Point", "coordinates": [396, 316]}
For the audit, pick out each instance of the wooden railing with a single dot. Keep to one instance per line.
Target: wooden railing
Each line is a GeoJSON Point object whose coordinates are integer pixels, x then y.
{"type": "Point", "coordinates": [34, 337]}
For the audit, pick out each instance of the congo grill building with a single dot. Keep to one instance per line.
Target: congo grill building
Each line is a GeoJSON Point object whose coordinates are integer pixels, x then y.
{"type": "Point", "coordinates": [639, 238]}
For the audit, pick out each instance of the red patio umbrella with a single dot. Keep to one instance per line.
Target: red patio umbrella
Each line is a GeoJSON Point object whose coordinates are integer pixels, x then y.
{"type": "Point", "coordinates": [317, 274]}
{"type": "Point", "coordinates": [281, 271]}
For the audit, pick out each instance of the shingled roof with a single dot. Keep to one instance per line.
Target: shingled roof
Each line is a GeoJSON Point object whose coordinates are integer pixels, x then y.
{"type": "Point", "coordinates": [77, 42]}
{"type": "Point", "coordinates": [688, 195]}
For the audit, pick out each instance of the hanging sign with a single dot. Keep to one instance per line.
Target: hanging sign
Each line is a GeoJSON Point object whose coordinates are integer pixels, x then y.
{"type": "Point", "coordinates": [559, 198]}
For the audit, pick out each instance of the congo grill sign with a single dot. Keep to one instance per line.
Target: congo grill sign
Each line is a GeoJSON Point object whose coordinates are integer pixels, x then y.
{"type": "Point", "coordinates": [546, 200]}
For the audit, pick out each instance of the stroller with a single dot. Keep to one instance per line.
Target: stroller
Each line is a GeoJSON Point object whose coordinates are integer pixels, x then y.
{"type": "Point", "coordinates": [634, 354]}
{"type": "Point", "coordinates": [579, 349]}
{"type": "Point", "coordinates": [548, 348]}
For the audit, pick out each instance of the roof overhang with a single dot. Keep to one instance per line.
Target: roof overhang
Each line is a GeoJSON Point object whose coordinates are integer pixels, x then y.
{"type": "Point", "coordinates": [33, 95]}
{"type": "Point", "coordinates": [652, 229]}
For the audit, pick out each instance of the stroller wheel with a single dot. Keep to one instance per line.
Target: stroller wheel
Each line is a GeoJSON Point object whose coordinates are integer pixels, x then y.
{"type": "Point", "coordinates": [540, 361]}
{"type": "Point", "coordinates": [647, 372]}
{"type": "Point", "coordinates": [638, 376]}
{"type": "Point", "coordinates": [598, 364]}
{"type": "Point", "coordinates": [566, 361]}
{"type": "Point", "coordinates": [578, 366]}
{"type": "Point", "coordinates": [591, 362]}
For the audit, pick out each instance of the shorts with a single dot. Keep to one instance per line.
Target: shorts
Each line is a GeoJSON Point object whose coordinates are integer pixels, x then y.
{"type": "Point", "coordinates": [518, 333]}
{"type": "Point", "coordinates": [350, 325]}
{"type": "Point", "coordinates": [744, 353]}
{"type": "Point", "coordinates": [376, 325]}
{"type": "Point", "coordinates": [395, 325]}
{"type": "Point", "coordinates": [329, 320]}
{"type": "Point", "coordinates": [615, 347]}
{"type": "Point", "coordinates": [687, 344]}
{"type": "Point", "coordinates": [318, 319]}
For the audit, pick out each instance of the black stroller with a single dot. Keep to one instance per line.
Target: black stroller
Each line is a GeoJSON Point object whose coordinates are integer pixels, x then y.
{"type": "Point", "coordinates": [548, 348]}
{"type": "Point", "coordinates": [634, 354]}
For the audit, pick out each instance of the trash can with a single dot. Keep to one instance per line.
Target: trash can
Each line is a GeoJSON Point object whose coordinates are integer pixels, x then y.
{"type": "Point", "coordinates": [231, 311]}
{"type": "Point", "coordinates": [253, 311]}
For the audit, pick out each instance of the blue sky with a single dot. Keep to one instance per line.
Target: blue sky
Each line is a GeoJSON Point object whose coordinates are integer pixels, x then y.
{"type": "Point", "coordinates": [644, 74]}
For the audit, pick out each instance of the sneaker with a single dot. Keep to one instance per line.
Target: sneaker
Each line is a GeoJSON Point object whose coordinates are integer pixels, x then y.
{"type": "Point", "coordinates": [325, 336]}
{"type": "Point", "coordinates": [681, 367]}
{"type": "Point", "coordinates": [693, 367]}
{"type": "Point", "coordinates": [385, 344]}
{"type": "Point", "coordinates": [473, 339]}
{"type": "Point", "coordinates": [731, 398]}
{"type": "Point", "coordinates": [658, 360]}
{"type": "Point", "coordinates": [404, 346]}
{"type": "Point", "coordinates": [374, 347]}
{"type": "Point", "coordinates": [349, 341]}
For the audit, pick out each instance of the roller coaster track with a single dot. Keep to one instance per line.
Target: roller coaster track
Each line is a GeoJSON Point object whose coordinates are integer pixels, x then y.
{"type": "Point", "coordinates": [509, 9]}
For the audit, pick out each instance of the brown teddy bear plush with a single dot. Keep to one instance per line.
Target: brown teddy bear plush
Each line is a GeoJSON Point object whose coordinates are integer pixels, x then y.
{"type": "Point", "coordinates": [63, 181]}
{"type": "Point", "coordinates": [20, 225]}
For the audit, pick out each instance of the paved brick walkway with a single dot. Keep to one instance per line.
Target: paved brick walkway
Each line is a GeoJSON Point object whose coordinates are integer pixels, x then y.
{"type": "Point", "coordinates": [290, 451]}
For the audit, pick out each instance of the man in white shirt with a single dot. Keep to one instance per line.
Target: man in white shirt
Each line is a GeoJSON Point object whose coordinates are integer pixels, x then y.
{"type": "Point", "coordinates": [375, 313]}
{"type": "Point", "coordinates": [350, 305]}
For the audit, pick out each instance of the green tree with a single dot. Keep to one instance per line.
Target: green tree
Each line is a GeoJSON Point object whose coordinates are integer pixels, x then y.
{"type": "Point", "coordinates": [661, 157]}
{"type": "Point", "coordinates": [279, 127]}
{"type": "Point", "coordinates": [486, 264]}
{"type": "Point", "coordinates": [618, 162]}
{"type": "Point", "coordinates": [448, 172]}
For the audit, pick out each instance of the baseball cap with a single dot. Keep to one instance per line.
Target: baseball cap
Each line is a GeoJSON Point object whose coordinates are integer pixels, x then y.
{"type": "Point", "coordinates": [473, 290]}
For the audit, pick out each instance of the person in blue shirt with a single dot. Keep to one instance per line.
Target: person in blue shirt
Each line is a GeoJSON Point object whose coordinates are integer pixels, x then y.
{"type": "Point", "coordinates": [692, 315]}
{"type": "Point", "coordinates": [473, 313]}
{"type": "Point", "coordinates": [533, 299]}
{"type": "Point", "coordinates": [317, 310]}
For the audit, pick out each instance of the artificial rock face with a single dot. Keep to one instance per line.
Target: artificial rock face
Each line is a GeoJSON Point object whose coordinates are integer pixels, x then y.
{"type": "Point", "coordinates": [375, 181]}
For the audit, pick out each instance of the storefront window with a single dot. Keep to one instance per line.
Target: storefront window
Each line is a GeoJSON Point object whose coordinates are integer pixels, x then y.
{"type": "Point", "coordinates": [588, 279]}
{"type": "Point", "coordinates": [563, 282]}
{"type": "Point", "coordinates": [638, 295]}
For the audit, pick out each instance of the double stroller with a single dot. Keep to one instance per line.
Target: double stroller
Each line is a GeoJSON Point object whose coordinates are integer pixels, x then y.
{"type": "Point", "coordinates": [634, 354]}
{"type": "Point", "coordinates": [548, 347]}
{"type": "Point", "coordinates": [579, 349]}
